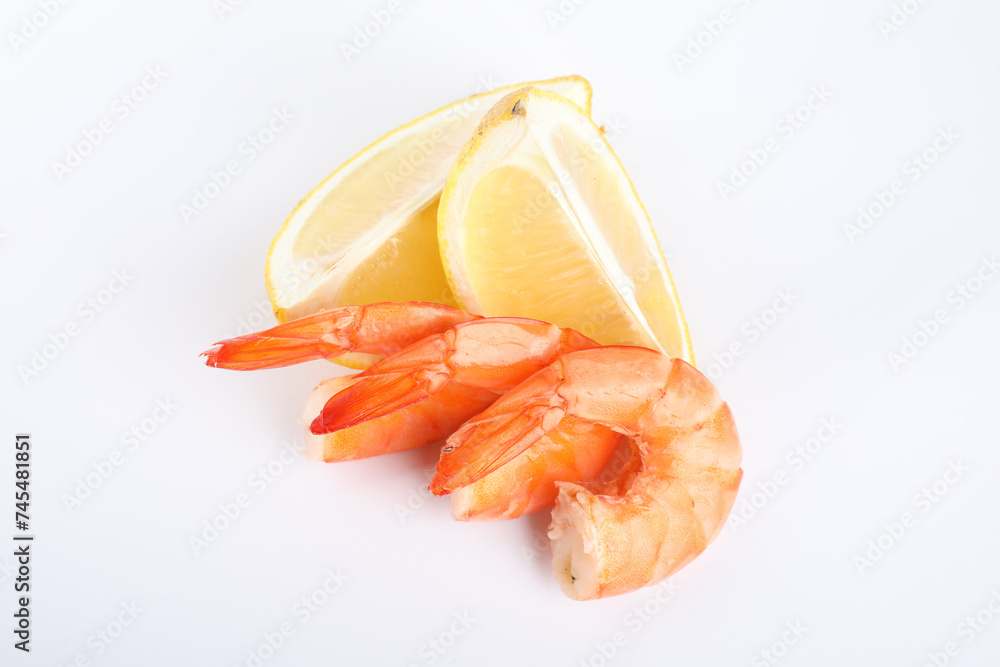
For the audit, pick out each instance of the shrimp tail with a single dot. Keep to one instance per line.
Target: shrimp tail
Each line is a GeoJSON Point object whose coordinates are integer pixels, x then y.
{"type": "Point", "coordinates": [255, 352]}
{"type": "Point", "coordinates": [374, 396]}
{"type": "Point", "coordinates": [502, 432]}
{"type": "Point", "coordinates": [422, 423]}
{"type": "Point", "coordinates": [318, 336]}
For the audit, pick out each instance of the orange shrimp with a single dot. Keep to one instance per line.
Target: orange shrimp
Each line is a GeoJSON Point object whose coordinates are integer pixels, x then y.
{"type": "Point", "coordinates": [667, 504]}
{"type": "Point", "coordinates": [578, 452]}
{"type": "Point", "coordinates": [423, 423]}
{"type": "Point", "coordinates": [422, 393]}
{"type": "Point", "coordinates": [376, 329]}
{"type": "Point", "coordinates": [525, 486]}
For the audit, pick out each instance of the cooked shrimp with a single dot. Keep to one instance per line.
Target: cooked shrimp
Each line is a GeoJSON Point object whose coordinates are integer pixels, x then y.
{"type": "Point", "coordinates": [431, 420]}
{"type": "Point", "coordinates": [578, 452]}
{"type": "Point", "coordinates": [376, 329]}
{"type": "Point", "coordinates": [424, 393]}
{"type": "Point", "coordinates": [493, 354]}
{"type": "Point", "coordinates": [668, 503]}
{"type": "Point", "coordinates": [526, 485]}
{"type": "Point", "coordinates": [420, 394]}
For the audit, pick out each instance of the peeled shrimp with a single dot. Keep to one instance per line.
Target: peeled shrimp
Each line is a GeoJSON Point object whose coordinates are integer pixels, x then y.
{"type": "Point", "coordinates": [422, 393]}
{"type": "Point", "coordinates": [669, 501]}
{"type": "Point", "coordinates": [526, 485]}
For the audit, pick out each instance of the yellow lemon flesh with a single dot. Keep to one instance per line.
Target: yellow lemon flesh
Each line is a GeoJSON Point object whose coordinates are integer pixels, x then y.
{"type": "Point", "coordinates": [539, 219]}
{"type": "Point", "coordinates": [368, 232]}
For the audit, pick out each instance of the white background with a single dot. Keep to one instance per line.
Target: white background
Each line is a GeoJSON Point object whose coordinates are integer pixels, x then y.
{"type": "Point", "coordinates": [684, 129]}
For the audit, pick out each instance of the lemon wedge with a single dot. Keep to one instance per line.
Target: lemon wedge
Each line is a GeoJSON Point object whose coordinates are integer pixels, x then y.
{"type": "Point", "coordinates": [368, 232]}
{"type": "Point", "coordinates": [539, 219]}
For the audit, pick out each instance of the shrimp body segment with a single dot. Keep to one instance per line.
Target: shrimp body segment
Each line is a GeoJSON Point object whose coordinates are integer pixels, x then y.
{"type": "Point", "coordinates": [426, 422]}
{"type": "Point", "coordinates": [527, 485]}
{"type": "Point", "coordinates": [424, 393]}
{"type": "Point", "coordinates": [668, 502]}
{"type": "Point", "coordinates": [482, 358]}
{"type": "Point", "coordinates": [443, 366]}
{"type": "Point", "coordinates": [376, 329]}
{"type": "Point", "coordinates": [579, 451]}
